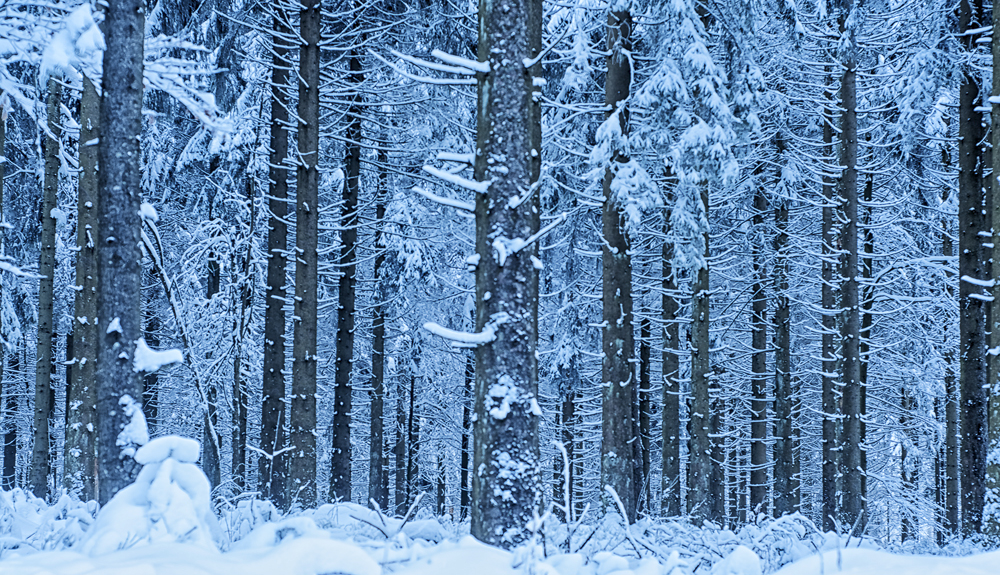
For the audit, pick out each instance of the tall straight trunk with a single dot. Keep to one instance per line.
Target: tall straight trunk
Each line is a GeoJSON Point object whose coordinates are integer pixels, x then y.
{"type": "Point", "coordinates": [412, 445]}
{"type": "Point", "coordinates": [118, 255]}
{"type": "Point", "coordinates": [378, 486]}
{"type": "Point", "coordinates": [340, 471]}
{"type": "Point", "coordinates": [40, 463]}
{"type": "Point", "coordinates": [971, 222]}
{"type": "Point", "coordinates": [567, 414]}
{"type": "Point", "coordinates": [670, 495]}
{"type": "Point", "coordinates": [442, 491]}
{"type": "Point", "coordinates": [211, 460]}
{"type": "Point", "coordinates": [783, 442]}
{"type": "Point", "coordinates": [700, 497]}
{"type": "Point", "coordinates": [758, 367]}
{"type": "Point", "coordinates": [645, 408]}
{"type": "Point", "coordinates": [853, 495]}
{"type": "Point", "coordinates": [993, 468]}
{"type": "Point", "coordinates": [80, 472]}
{"type": "Point", "coordinates": [464, 489]}
{"type": "Point", "coordinates": [717, 426]}
{"type": "Point", "coordinates": [867, 301]}
{"type": "Point", "coordinates": [9, 479]}
{"type": "Point", "coordinates": [302, 434]}
{"type": "Point", "coordinates": [151, 381]}
{"type": "Point", "coordinates": [907, 468]}
{"type": "Point", "coordinates": [399, 450]}
{"type": "Point", "coordinates": [830, 393]}
{"type": "Point", "coordinates": [9, 404]}
{"type": "Point", "coordinates": [240, 395]}
{"type": "Point", "coordinates": [273, 465]}
{"type": "Point", "coordinates": [617, 425]}
{"type": "Point", "coordinates": [507, 416]}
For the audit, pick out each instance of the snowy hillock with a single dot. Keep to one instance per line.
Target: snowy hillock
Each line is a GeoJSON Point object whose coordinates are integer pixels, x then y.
{"type": "Point", "coordinates": [164, 524]}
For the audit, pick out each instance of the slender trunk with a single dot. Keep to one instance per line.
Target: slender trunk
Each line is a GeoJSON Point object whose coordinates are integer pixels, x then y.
{"type": "Point", "coordinates": [853, 495]}
{"type": "Point", "coordinates": [151, 381]}
{"type": "Point", "coordinates": [645, 409]}
{"type": "Point", "coordinates": [412, 446]}
{"type": "Point", "coordinates": [441, 486]}
{"type": "Point", "coordinates": [378, 486]}
{"type": "Point", "coordinates": [80, 476]}
{"type": "Point", "coordinates": [9, 404]}
{"type": "Point", "coordinates": [784, 498]}
{"type": "Point", "coordinates": [272, 475]}
{"type": "Point", "coordinates": [244, 287]}
{"type": "Point", "coordinates": [758, 367]}
{"type": "Point", "coordinates": [830, 395]}
{"type": "Point", "coordinates": [867, 301]}
{"type": "Point", "coordinates": [399, 450]}
{"type": "Point", "coordinates": [340, 472]}
{"type": "Point", "coordinates": [119, 258]}
{"type": "Point", "coordinates": [670, 497]}
{"type": "Point", "coordinates": [508, 126]}
{"type": "Point", "coordinates": [302, 435]}
{"type": "Point", "coordinates": [700, 497]}
{"type": "Point", "coordinates": [971, 223]}
{"type": "Point", "coordinates": [717, 485]}
{"type": "Point", "coordinates": [40, 464]}
{"type": "Point", "coordinates": [211, 460]}
{"type": "Point", "coordinates": [907, 468]}
{"type": "Point", "coordinates": [10, 437]}
{"type": "Point", "coordinates": [617, 333]}
{"type": "Point", "coordinates": [464, 487]}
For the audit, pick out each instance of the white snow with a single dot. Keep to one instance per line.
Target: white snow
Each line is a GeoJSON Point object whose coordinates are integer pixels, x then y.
{"type": "Point", "coordinates": [160, 449]}
{"type": "Point", "coordinates": [148, 212]}
{"type": "Point", "coordinates": [135, 433]}
{"type": "Point", "coordinates": [148, 360]}
{"type": "Point", "coordinates": [114, 326]}
{"type": "Point", "coordinates": [873, 562]}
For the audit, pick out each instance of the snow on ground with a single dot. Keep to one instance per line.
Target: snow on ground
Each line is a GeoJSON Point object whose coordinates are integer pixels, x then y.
{"type": "Point", "coordinates": [164, 524]}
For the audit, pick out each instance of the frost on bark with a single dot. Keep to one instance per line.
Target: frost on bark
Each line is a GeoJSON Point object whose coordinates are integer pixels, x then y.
{"type": "Point", "coordinates": [119, 258]}
{"type": "Point", "coordinates": [302, 435]}
{"type": "Point", "coordinates": [9, 398]}
{"type": "Point", "coordinates": [853, 484]}
{"type": "Point", "coordinates": [758, 404]}
{"type": "Point", "coordinates": [506, 470]}
{"type": "Point", "coordinates": [830, 394]}
{"type": "Point", "coordinates": [670, 505]}
{"type": "Point", "coordinates": [785, 499]}
{"type": "Point", "coordinates": [617, 422]}
{"type": "Point", "coordinates": [81, 445]}
{"type": "Point", "coordinates": [273, 465]}
{"type": "Point", "coordinates": [340, 472]}
{"type": "Point", "coordinates": [700, 496]}
{"type": "Point", "coordinates": [972, 347]}
{"type": "Point", "coordinates": [992, 506]}
{"type": "Point", "coordinates": [378, 483]}
{"type": "Point", "coordinates": [44, 369]}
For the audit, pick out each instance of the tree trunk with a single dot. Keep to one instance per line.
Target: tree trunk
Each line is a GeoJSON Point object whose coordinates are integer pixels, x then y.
{"type": "Point", "coordinates": [617, 333]}
{"type": "Point", "coordinates": [867, 301]}
{"type": "Point", "coordinates": [9, 404]}
{"type": "Point", "coordinates": [40, 464]}
{"type": "Point", "coordinates": [645, 408]}
{"type": "Point", "coordinates": [464, 487]}
{"type": "Point", "coordinates": [119, 258]}
{"type": "Point", "coordinates": [784, 499]}
{"type": "Point", "coordinates": [412, 446]}
{"type": "Point", "coordinates": [302, 436]}
{"type": "Point", "coordinates": [340, 473]}
{"type": "Point", "coordinates": [758, 367]}
{"type": "Point", "coordinates": [700, 500]}
{"type": "Point", "coordinates": [151, 381]}
{"type": "Point", "coordinates": [378, 486]}
{"type": "Point", "coordinates": [506, 427]}
{"type": "Point", "coordinates": [399, 450]}
{"type": "Point", "coordinates": [9, 480]}
{"type": "Point", "coordinates": [244, 287]}
{"type": "Point", "coordinates": [853, 495]}
{"type": "Point", "coordinates": [211, 460]}
{"type": "Point", "coordinates": [830, 394]}
{"type": "Point", "coordinates": [670, 496]}
{"type": "Point", "coordinates": [907, 468]}
{"type": "Point", "coordinates": [993, 468]}
{"type": "Point", "coordinates": [971, 307]}
{"type": "Point", "coordinates": [272, 475]}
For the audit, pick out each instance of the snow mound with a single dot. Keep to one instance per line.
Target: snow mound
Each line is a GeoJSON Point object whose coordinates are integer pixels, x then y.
{"type": "Point", "coordinates": [169, 502]}
{"type": "Point", "coordinates": [871, 562]}
{"type": "Point", "coordinates": [742, 561]}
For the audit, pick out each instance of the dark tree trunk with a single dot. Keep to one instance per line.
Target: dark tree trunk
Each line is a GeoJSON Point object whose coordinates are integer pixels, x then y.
{"type": "Point", "coordinates": [272, 474]}
{"type": "Point", "coordinates": [241, 400]}
{"type": "Point", "coordinates": [40, 463]}
{"type": "Point", "coordinates": [908, 469]}
{"type": "Point", "coordinates": [670, 497]}
{"type": "Point", "coordinates": [506, 427]}
{"type": "Point", "coordinates": [971, 222]}
{"type": "Point", "coordinates": [700, 470]}
{"type": "Point", "coordinates": [784, 499]}
{"type": "Point", "coordinates": [211, 461]}
{"type": "Point", "coordinates": [80, 476]}
{"type": "Point", "coordinates": [617, 334]}
{"type": "Point", "coordinates": [867, 301]}
{"type": "Point", "coordinates": [993, 468]}
{"type": "Point", "coordinates": [413, 486]}
{"type": "Point", "coordinates": [830, 394]}
{"type": "Point", "coordinates": [758, 405]}
{"type": "Point", "coordinates": [302, 436]}
{"type": "Point", "coordinates": [378, 485]}
{"type": "Point", "coordinates": [119, 258]}
{"type": "Point", "coordinates": [467, 398]}
{"type": "Point", "coordinates": [645, 407]}
{"type": "Point", "coordinates": [151, 381]}
{"type": "Point", "coordinates": [399, 450]}
{"type": "Point", "coordinates": [9, 480]}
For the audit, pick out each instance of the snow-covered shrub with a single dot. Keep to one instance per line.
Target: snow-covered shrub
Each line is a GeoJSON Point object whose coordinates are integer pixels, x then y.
{"type": "Point", "coordinates": [169, 502]}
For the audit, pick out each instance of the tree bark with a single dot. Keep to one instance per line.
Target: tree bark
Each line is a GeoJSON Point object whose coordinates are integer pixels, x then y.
{"type": "Point", "coordinates": [758, 366]}
{"type": "Point", "coordinates": [830, 393]}
{"type": "Point", "coordinates": [617, 345]}
{"type": "Point", "coordinates": [378, 486]}
{"type": "Point", "coordinates": [119, 258]}
{"type": "Point", "coordinates": [853, 495]}
{"type": "Point", "coordinates": [273, 464]}
{"type": "Point", "coordinates": [302, 436]}
{"type": "Point", "coordinates": [464, 478]}
{"type": "Point", "coordinates": [340, 472]}
{"type": "Point", "coordinates": [399, 450]}
{"type": "Point", "coordinates": [508, 152]}
{"type": "Point", "coordinates": [151, 381]}
{"type": "Point", "coordinates": [670, 497]}
{"type": "Point", "coordinates": [9, 480]}
{"type": "Point", "coordinates": [784, 498]}
{"type": "Point", "coordinates": [40, 463]}
{"type": "Point", "coordinates": [244, 293]}
{"type": "Point", "coordinates": [972, 327]}
{"type": "Point", "coordinates": [993, 467]}
{"type": "Point", "coordinates": [645, 408]}
{"type": "Point", "coordinates": [700, 497]}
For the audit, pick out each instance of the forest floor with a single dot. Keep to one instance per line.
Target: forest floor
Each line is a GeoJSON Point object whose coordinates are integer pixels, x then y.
{"type": "Point", "coordinates": [164, 524]}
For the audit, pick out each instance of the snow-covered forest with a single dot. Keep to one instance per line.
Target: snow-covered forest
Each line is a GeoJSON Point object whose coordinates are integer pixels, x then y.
{"type": "Point", "coordinates": [574, 287]}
